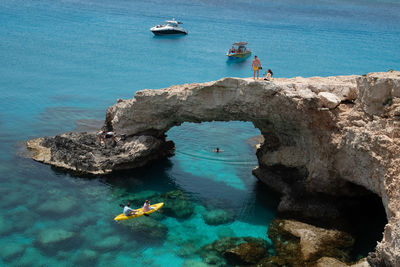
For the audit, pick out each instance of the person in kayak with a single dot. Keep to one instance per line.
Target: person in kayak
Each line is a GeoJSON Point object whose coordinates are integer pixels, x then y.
{"type": "Point", "coordinates": [146, 206]}
{"type": "Point", "coordinates": [127, 210]}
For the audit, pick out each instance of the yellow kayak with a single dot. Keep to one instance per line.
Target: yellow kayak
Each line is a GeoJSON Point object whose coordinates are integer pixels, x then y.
{"type": "Point", "coordinates": [139, 212]}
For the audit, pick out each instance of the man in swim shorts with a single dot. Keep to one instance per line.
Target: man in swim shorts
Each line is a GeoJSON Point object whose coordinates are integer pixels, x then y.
{"type": "Point", "coordinates": [255, 66]}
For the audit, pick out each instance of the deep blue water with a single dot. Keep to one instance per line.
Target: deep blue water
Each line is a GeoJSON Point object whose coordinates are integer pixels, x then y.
{"type": "Point", "coordinates": [62, 63]}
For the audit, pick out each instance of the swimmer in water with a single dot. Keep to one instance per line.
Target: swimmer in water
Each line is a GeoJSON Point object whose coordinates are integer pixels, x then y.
{"type": "Point", "coordinates": [217, 150]}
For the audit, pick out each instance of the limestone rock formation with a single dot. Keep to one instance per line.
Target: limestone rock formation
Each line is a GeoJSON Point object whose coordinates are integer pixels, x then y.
{"type": "Point", "coordinates": [235, 250]}
{"type": "Point", "coordinates": [11, 251]}
{"type": "Point", "coordinates": [82, 153]}
{"type": "Point", "coordinates": [108, 243]}
{"type": "Point", "coordinates": [218, 216]}
{"type": "Point", "coordinates": [332, 262]}
{"type": "Point", "coordinates": [176, 204]}
{"type": "Point", "coordinates": [52, 239]}
{"type": "Point", "coordinates": [147, 228]}
{"type": "Point", "coordinates": [334, 148]}
{"type": "Point", "coordinates": [301, 244]}
{"type": "Point", "coordinates": [329, 100]}
{"type": "Point", "coordinates": [245, 253]}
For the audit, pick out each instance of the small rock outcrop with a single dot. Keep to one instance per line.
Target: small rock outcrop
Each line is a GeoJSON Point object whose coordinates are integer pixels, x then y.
{"type": "Point", "coordinates": [245, 254]}
{"type": "Point", "coordinates": [82, 152]}
{"type": "Point", "coordinates": [234, 251]}
{"type": "Point", "coordinates": [301, 244]}
{"type": "Point", "coordinates": [218, 216]}
{"type": "Point", "coordinates": [51, 240]}
{"type": "Point", "coordinates": [329, 100]}
{"type": "Point", "coordinates": [333, 145]}
{"type": "Point", "coordinates": [332, 262]}
{"type": "Point", "coordinates": [177, 204]}
{"type": "Point", "coordinates": [146, 228]}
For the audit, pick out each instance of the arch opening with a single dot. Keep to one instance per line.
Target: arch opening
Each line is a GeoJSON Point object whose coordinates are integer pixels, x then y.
{"type": "Point", "coordinates": [221, 179]}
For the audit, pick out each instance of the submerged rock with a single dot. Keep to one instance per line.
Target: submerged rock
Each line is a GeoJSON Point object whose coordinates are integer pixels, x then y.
{"type": "Point", "coordinates": [187, 250]}
{"type": "Point", "coordinates": [218, 216]}
{"type": "Point", "coordinates": [28, 259]}
{"type": "Point", "coordinates": [214, 259]}
{"type": "Point", "coordinates": [29, 218]}
{"type": "Point", "coordinates": [146, 228]}
{"type": "Point", "coordinates": [11, 251]}
{"type": "Point", "coordinates": [225, 232]}
{"type": "Point", "coordinates": [177, 204]}
{"type": "Point", "coordinates": [194, 263]}
{"type": "Point", "coordinates": [301, 244]}
{"type": "Point", "coordinates": [54, 239]}
{"type": "Point", "coordinates": [233, 249]}
{"type": "Point", "coordinates": [245, 253]}
{"type": "Point", "coordinates": [61, 205]}
{"type": "Point", "coordinates": [5, 227]}
{"type": "Point", "coordinates": [329, 262]}
{"type": "Point", "coordinates": [108, 243]}
{"type": "Point", "coordinates": [332, 262]}
{"type": "Point", "coordinates": [86, 257]}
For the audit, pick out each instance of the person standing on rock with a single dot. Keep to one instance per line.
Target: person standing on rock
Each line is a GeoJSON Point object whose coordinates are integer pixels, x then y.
{"type": "Point", "coordinates": [100, 136]}
{"type": "Point", "coordinates": [256, 66]}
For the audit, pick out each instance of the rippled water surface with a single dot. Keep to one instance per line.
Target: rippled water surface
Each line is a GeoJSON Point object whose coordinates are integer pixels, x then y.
{"type": "Point", "coordinates": [64, 62]}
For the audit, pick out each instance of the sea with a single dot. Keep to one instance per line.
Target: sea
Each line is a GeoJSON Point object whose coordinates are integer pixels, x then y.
{"type": "Point", "coordinates": [63, 62]}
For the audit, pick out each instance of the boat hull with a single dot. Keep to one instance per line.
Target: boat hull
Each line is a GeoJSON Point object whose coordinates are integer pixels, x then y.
{"type": "Point", "coordinates": [168, 32]}
{"type": "Point", "coordinates": [239, 55]}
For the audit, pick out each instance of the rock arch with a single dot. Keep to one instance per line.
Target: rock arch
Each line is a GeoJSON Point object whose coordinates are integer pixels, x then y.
{"type": "Point", "coordinates": [335, 130]}
{"type": "Point", "coordinates": [304, 128]}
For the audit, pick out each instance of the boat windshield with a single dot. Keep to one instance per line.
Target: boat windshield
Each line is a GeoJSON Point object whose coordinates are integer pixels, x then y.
{"type": "Point", "coordinates": [172, 23]}
{"type": "Point", "coordinates": [238, 49]}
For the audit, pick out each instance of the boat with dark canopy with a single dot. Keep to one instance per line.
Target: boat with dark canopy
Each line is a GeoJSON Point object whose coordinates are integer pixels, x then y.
{"type": "Point", "coordinates": [239, 50]}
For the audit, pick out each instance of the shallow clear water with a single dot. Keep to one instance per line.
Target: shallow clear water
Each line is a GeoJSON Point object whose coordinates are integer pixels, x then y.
{"type": "Point", "coordinates": [64, 62]}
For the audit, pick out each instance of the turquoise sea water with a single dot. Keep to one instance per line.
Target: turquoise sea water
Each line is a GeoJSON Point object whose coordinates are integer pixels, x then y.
{"type": "Point", "coordinates": [64, 62]}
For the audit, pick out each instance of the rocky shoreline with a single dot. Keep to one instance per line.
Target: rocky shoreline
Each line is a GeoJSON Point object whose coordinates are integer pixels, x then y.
{"type": "Point", "coordinates": [327, 141]}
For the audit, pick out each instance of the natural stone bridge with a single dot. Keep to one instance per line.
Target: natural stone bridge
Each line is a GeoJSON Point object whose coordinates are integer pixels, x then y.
{"type": "Point", "coordinates": [334, 133]}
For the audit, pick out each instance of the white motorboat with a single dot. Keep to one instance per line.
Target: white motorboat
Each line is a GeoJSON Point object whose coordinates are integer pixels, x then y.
{"type": "Point", "coordinates": [171, 27]}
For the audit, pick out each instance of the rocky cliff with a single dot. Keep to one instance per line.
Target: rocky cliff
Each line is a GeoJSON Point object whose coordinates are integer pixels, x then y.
{"type": "Point", "coordinates": [340, 134]}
